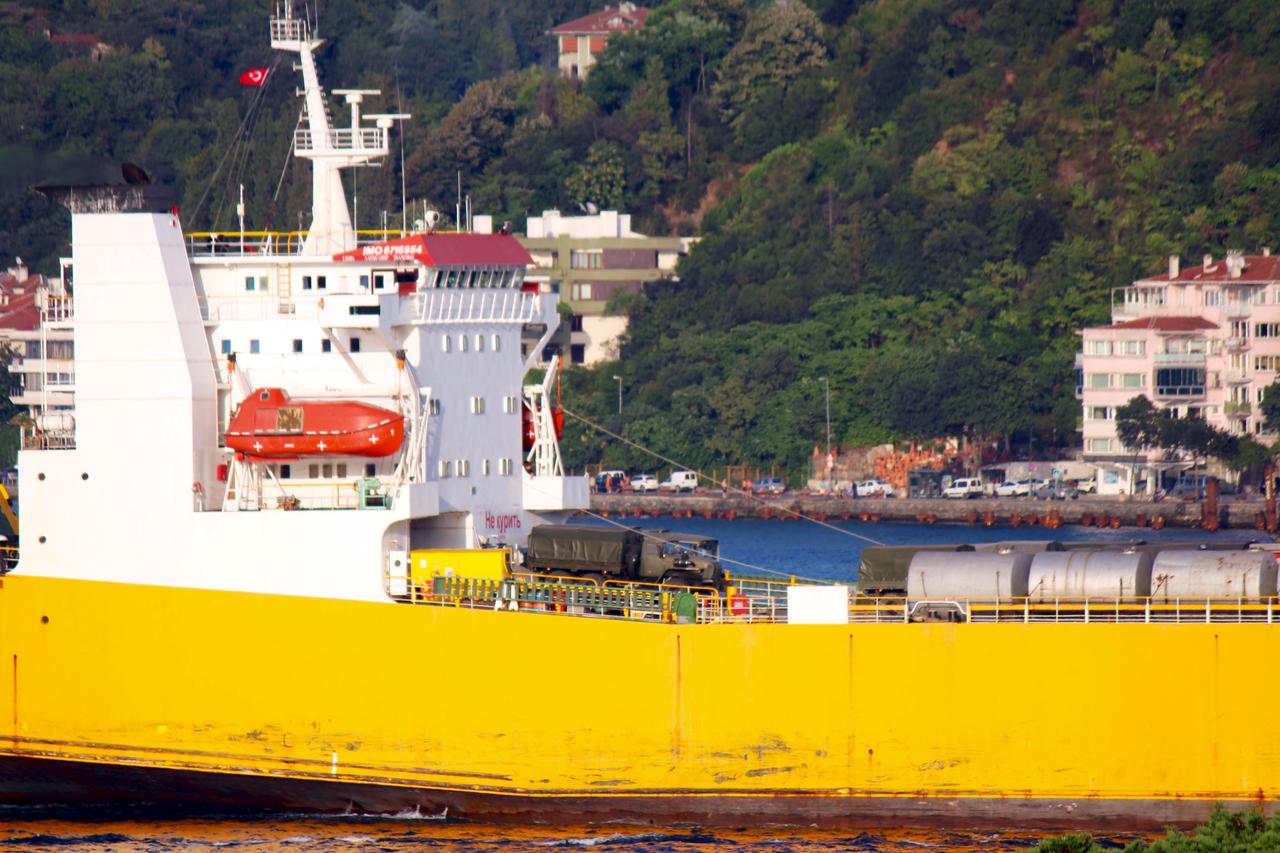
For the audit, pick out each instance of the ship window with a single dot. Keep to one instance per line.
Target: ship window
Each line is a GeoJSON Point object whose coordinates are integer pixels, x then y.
{"type": "Point", "coordinates": [379, 280]}
{"type": "Point", "coordinates": [435, 406]}
{"type": "Point", "coordinates": [484, 467]}
{"type": "Point", "coordinates": [370, 469]}
{"type": "Point", "coordinates": [477, 405]}
{"type": "Point", "coordinates": [479, 343]}
{"type": "Point", "coordinates": [326, 345]}
{"type": "Point", "coordinates": [313, 471]}
{"type": "Point", "coordinates": [355, 344]}
{"type": "Point", "coordinates": [446, 343]}
{"type": "Point", "coordinates": [504, 466]}
{"type": "Point", "coordinates": [364, 282]}
{"type": "Point", "coordinates": [497, 343]}
{"type": "Point", "coordinates": [226, 347]}
{"type": "Point", "coordinates": [444, 468]}
{"type": "Point", "coordinates": [342, 470]}
{"type": "Point", "coordinates": [321, 282]}
{"type": "Point", "coordinates": [289, 419]}
{"type": "Point", "coordinates": [286, 472]}
{"type": "Point", "coordinates": [452, 279]}
{"type": "Point", "coordinates": [249, 282]}
{"type": "Point", "coordinates": [265, 395]}
{"type": "Point", "coordinates": [483, 278]}
{"type": "Point", "coordinates": [297, 344]}
{"type": "Point", "coordinates": [464, 467]}
{"type": "Point", "coordinates": [327, 470]}
{"type": "Point", "coordinates": [462, 343]}
{"type": "Point", "coordinates": [306, 282]}
{"type": "Point", "coordinates": [254, 347]}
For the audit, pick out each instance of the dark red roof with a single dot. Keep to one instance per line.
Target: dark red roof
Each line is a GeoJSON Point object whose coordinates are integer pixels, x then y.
{"type": "Point", "coordinates": [444, 250]}
{"type": "Point", "coordinates": [615, 19]}
{"type": "Point", "coordinates": [75, 39]}
{"type": "Point", "coordinates": [21, 314]}
{"type": "Point", "coordinates": [1257, 268]}
{"type": "Point", "coordinates": [1167, 324]}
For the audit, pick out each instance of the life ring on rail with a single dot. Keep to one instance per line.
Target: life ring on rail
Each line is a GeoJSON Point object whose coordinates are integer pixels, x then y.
{"type": "Point", "coordinates": [197, 488]}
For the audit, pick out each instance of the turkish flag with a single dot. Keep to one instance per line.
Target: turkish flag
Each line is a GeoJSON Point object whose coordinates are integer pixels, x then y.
{"type": "Point", "coordinates": [254, 77]}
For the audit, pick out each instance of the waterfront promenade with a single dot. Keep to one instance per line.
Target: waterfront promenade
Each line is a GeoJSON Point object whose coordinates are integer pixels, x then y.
{"type": "Point", "coordinates": [1234, 512]}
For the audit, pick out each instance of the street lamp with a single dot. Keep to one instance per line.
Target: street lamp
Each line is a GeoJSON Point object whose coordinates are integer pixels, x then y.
{"type": "Point", "coordinates": [618, 379]}
{"type": "Point", "coordinates": [826, 387]}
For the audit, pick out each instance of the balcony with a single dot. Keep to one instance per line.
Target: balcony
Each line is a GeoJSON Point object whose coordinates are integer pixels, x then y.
{"type": "Point", "coordinates": [365, 140]}
{"type": "Point", "coordinates": [1233, 409]}
{"type": "Point", "coordinates": [1237, 344]}
{"type": "Point", "coordinates": [1235, 376]}
{"type": "Point", "coordinates": [1180, 359]}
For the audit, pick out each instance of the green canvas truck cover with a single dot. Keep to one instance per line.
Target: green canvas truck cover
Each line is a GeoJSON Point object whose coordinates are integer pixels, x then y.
{"type": "Point", "coordinates": [583, 547]}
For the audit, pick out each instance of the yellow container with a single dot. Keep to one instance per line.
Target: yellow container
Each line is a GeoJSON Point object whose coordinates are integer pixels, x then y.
{"type": "Point", "coordinates": [479, 563]}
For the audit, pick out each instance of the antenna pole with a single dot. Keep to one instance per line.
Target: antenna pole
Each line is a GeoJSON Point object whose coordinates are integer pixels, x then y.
{"type": "Point", "coordinates": [457, 211]}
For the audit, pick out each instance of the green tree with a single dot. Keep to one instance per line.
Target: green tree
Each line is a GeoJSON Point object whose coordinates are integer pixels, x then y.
{"type": "Point", "coordinates": [600, 180]}
{"type": "Point", "coordinates": [779, 43]}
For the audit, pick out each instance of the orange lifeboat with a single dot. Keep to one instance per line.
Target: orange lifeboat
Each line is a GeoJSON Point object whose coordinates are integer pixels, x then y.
{"type": "Point", "coordinates": [526, 422]}
{"type": "Point", "coordinates": [271, 425]}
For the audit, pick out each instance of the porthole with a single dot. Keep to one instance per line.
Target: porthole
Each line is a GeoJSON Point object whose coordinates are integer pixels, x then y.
{"type": "Point", "coordinates": [40, 476]}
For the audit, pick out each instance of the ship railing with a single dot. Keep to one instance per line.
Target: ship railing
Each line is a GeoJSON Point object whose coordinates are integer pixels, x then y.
{"type": "Point", "coordinates": [265, 308]}
{"type": "Point", "coordinates": [247, 243]}
{"type": "Point", "coordinates": [57, 309]}
{"type": "Point", "coordinates": [371, 139]}
{"type": "Point", "coordinates": [36, 438]}
{"type": "Point", "coordinates": [1131, 610]}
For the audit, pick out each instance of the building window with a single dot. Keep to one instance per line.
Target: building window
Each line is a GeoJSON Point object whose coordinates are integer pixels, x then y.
{"type": "Point", "coordinates": [1131, 347]}
{"type": "Point", "coordinates": [226, 347]}
{"type": "Point", "coordinates": [581, 292]}
{"type": "Point", "coordinates": [1180, 381]}
{"type": "Point", "coordinates": [1099, 380]}
{"type": "Point", "coordinates": [1100, 445]}
{"type": "Point", "coordinates": [355, 345]}
{"type": "Point", "coordinates": [1131, 380]}
{"type": "Point", "coordinates": [586, 260]}
{"type": "Point", "coordinates": [434, 406]}
{"type": "Point", "coordinates": [1266, 330]}
{"type": "Point", "coordinates": [297, 344]}
{"type": "Point", "coordinates": [1240, 329]}
{"type": "Point", "coordinates": [1266, 362]}
{"type": "Point", "coordinates": [575, 322]}
{"type": "Point", "coordinates": [1099, 413]}
{"type": "Point", "coordinates": [1097, 347]}
{"type": "Point", "coordinates": [578, 353]}
{"type": "Point", "coordinates": [254, 347]}
{"type": "Point", "coordinates": [1212, 297]}
{"type": "Point", "coordinates": [326, 345]}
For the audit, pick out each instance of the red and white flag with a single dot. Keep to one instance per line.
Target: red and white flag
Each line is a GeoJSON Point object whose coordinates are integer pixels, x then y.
{"type": "Point", "coordinates": [254, 77]}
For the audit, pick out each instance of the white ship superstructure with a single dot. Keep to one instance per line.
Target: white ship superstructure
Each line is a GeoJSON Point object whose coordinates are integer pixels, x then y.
{"type": "Point", "coordinates": [172, 333]}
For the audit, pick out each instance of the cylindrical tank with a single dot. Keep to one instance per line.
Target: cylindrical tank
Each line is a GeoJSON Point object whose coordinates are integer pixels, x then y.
{"type": "Point", "coordinates": [973, 574]}
{"type": "Point", "coordinates": [1213, 574]}
{"type": "Point", "coordinates": [1091, 574]}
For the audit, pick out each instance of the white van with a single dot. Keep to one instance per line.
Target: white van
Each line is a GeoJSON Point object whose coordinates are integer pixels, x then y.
{"type": "Point", "coordinates": [964, 487]}
{"type": "Point", "coordinates": [680, 481]}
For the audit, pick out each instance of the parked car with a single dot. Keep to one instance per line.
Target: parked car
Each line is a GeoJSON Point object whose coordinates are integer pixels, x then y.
{"type": "Point", "coordinates": [644, 483]}
{"type": "Point", "coordinates": [1055, 490]}
{"type": "Point", "coordinates": [964, 487]}
{"type": "Point", "coordinates": [610, 481]}
{"type": "Point", "coordinates": [680, 481]}
{"type": "Point", "coordinates": [874, 488]}
{"type": "Point", "coordinates": [1085, 487]}
{"type": "Point", "coordinates": [1194, 487]}
{"type": "Point", "coordinates": [1013, 489]}
{"type": "Point", "coordinates": [769, 486]}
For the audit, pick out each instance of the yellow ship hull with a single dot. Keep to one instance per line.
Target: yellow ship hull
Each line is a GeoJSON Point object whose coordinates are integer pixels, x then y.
{"type": "Point", "coordinates": [155, 693]}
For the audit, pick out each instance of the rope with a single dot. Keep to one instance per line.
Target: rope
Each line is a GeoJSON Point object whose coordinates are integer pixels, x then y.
{"type": "Point", "coordinates": [743, 492]}
{"type": "Point", "coordinates": [235, 142]}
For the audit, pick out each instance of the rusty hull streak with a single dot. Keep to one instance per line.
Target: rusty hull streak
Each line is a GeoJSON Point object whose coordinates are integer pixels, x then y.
{"type": "Point", "coordinates": [25, 779]}
{"type": "Point", "coordinates": [232, 756]}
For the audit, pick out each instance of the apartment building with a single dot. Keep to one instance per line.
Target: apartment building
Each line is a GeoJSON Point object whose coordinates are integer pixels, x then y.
{"type": "Point", "coordinates": [1201, 340]}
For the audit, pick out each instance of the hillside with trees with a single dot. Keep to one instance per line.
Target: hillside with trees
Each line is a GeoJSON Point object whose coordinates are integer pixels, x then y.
{"type": "Point", "coordinates": [920, 200]}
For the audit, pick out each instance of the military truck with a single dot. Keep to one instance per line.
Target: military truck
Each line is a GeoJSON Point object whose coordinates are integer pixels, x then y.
{"type": "Point", "coordinates": [627, 554]}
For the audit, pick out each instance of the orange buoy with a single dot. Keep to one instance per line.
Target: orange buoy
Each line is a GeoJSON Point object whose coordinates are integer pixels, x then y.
{"type": "Point", "coordinates": [1157, 523]}
{"type": "Point", "coordinates": [1086, 519]}
{"type": "Point", "coordinates": [1141, 519]}
{"type": "Point", "coordinates": [1115, 524]}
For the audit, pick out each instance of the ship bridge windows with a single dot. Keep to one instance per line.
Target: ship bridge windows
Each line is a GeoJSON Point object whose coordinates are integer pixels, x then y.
{"type": "Point", "coordinates": [297, 344]}
{"type": "Point", "coordinates": [255, 283]}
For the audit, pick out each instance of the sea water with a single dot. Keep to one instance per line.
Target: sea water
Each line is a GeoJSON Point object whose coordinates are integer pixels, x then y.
{"type": "Point", "coordinates": [827, 551]}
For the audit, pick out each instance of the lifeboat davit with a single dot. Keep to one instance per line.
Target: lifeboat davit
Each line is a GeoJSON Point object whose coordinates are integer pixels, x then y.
{"type": "Point", "coordinates": [526, 421]}
{"type": "Point", "coordinates": [271, 425]}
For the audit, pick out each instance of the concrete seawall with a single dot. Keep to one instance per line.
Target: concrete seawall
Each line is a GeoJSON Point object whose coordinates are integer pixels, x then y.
{"type": "Point", "coordinates": [1234, 513]}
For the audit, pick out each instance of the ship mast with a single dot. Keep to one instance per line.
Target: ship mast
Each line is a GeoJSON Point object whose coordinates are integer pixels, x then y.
{"type": "Point", "coordinates": [329, 149]}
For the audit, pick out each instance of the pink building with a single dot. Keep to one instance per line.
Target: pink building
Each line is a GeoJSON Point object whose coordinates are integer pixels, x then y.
{"type": "Point", "coordinates": [1201, 340]}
